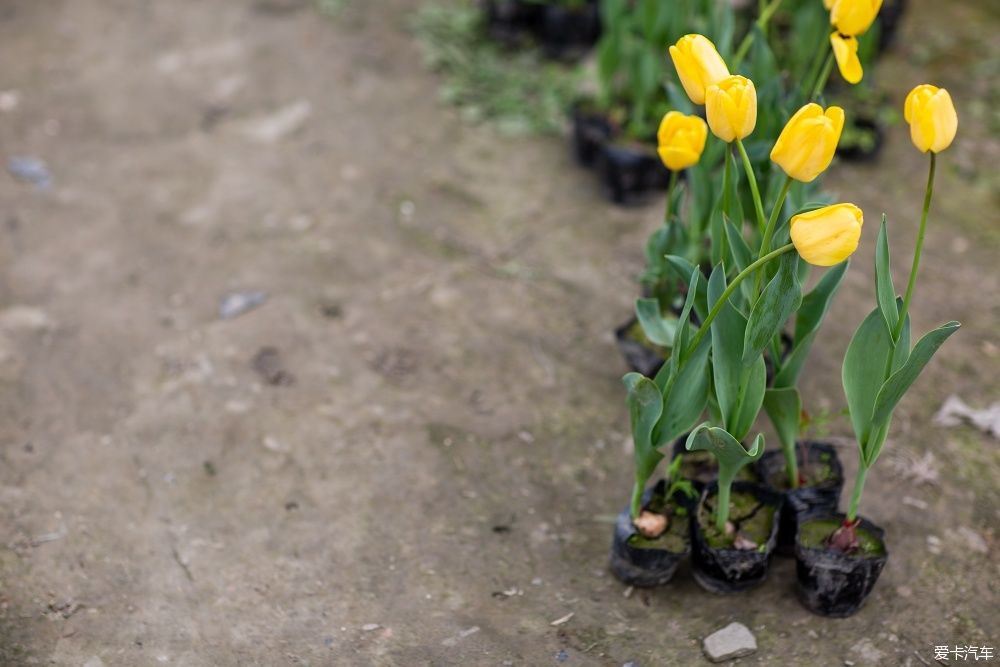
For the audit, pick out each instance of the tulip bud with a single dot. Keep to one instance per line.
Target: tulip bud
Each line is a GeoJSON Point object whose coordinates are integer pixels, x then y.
{"type": "Point", "coordinates": [731, 107]}
{"type": "Point", "coordinates": [681, 140]}
{"type": "Point", "coordinates": [829, 235]}
{"type": "Point", "coordinates": [698, 65]}
{"type": "Point", "coordinates": [846, 51]}
{"type": "Point", "coordinates": [854, 17]}
{"type": "Point", "coordinates": [932, 118]}
{"type": "Point", "coordinates": [807, 143]}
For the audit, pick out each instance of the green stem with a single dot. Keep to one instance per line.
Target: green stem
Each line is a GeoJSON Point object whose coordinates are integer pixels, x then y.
{"type": "Point", "coordinates": [765, 244]}
{"type": "Point", "coordinates": [912, 283]}
{"type": "Point", "coordinates": [823, 77]}
{"type": "Point", "coordinates": [717, 308]}
{"type": "Point", "coordinates": [748, 168]}
{"type": "Point", "coordinates": [722, 505]}
{"type": "Point", "coordinates": [725, 179]}
{"type": "Point", "coordinates": [637, 489]}
{"type": "Point", "coordinates": [817, 63]}
{"type": "Point", "coordinates": [766, 13]}
{"type": "Point", "coordinates": [791, 464]}
{"type": "Point", "coordinates": [670, 196]}
{"type": "Point", "coordinates": [859, 485]}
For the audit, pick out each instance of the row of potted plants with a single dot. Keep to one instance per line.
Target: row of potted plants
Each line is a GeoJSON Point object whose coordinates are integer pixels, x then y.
{"type": "Point", "coordinates": [723, 285]}
{"type": "Point", "coordinates": [564, 28]}
{"type": "Point", "coordinates": [614, 130]}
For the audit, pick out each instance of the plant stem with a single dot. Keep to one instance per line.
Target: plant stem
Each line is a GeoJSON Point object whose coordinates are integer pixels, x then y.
{"type": "Point", "coordinates": [859, 485]}
{"type": "Point", "coordinates": [637, 489]}
{"type": "Point", "coordinates": [722, 505]}
{"type": "Point", "coordinates": [765, 244]}
{"type": "Point", "coordinates": [912, 283]}
{"type": "Point", "coordinates": [717, 308]}
{"type": "Point", "coordinates": [748, 168]}
{"type": "Point", "coordinates": [817, 63]}
{"type": "Point", "coordinates": [670, 196]}
{"type": "Point", "coordinates": [766, 12]}
{"type": "Point", "coordinates": [725, 179]}
{"type": "Point", "coordinates": [823, 77]}
{"type": "Point", "coordinates": [791, 464]}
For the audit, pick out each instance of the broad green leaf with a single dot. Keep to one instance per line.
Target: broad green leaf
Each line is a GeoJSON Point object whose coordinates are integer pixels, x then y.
{"type": "Point", "coordinates": [680, 336]}
{"type": "Point", "coordinates": [866, 367]}
{"type": "Point", "coordinates": [739, 251]}
{"type": "Point", "coordinates": [657, 328]}
{"type": "Point", "coordinates": [784, 407]}
{"type": "Point", "coordinates": [685, 403]}
{"type": "Point", "coordinates": [900, 381]}
{"type": "Point", "coordinates": [884, 289]}
{"type": "Point", "coordinates": [728, 450]}
{"type": "Point", "coordinates": [777, 302]}
{"type": "Point", "coordinates": [813, 310]}
{"type": "Point", "coordinates": [752, 388]}
{"type": "Point", "coordinates": [645, 405]}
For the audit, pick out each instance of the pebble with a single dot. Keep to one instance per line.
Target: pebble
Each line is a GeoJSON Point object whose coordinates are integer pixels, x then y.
{"type": "Point", "coordinates": [733, 641]}
{"type": "Point", "coordinates": [280, 124]}
{"type": "Point", "coordinates": [235, 304]}
{"type": "Point", "coordinates": [31, 170]}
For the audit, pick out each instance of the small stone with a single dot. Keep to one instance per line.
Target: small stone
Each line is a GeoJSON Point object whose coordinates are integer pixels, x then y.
{"type": "Point", "coordinates": [934, 544]}
{"type": "Point", "coordinates": [95, 661]}
{"type": "Point", "coordinates": [368, 627]}
{"type": "Point", "coordinates": [235, 304]}
{"type": "Point", "coordinates": [733, 641]}
{"type": "Point", "coordinates": [973, 539]}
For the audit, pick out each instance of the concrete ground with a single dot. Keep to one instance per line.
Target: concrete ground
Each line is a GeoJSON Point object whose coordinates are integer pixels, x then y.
{"type": "Point", "coordinates": [411, 452]}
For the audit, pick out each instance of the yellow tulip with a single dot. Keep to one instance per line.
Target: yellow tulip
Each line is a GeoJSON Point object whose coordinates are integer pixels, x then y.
{"type": "Point", "coordinates": [828, 4]}
{"type": "Point", "coordinates": [731, 107]}
{"type": "Point", "coordinates": [932, 118]}
{"type": "Point", "coordinates": [846, 51]}
{"type": "Point", "coordinates": [854, 17]}
{"type": "Point", "coordinates": [680, 140]}
{"type": "Point", "coordinates": [806, 145]}
{"type": "Point", "coordinates": [829, 235]}
{"type": "Point", "coordinates": [698, 65]}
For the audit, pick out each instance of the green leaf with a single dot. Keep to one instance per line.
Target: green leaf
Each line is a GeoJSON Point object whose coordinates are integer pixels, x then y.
{"type": "Point", "coordinates": [784, 407]}
{"type": "Point", "coordinates": [865, 369]}
{"type": "Point", "coordinates": [739, 389]}
{"type": "Point", "coordinates": [658, 329]}
{"type": "Point", "coordinates": [739, 251]}
{"type": "Point", "coordinates": [686, 400]}
{"type": "Point", "coordinates": [777, 302]}
{"type": "Point", "coordinates": [727, 449]}
{"type": "Point", "coordinates": [900, 381]}
{"type": "Point", "coordinates": [645, 405]}
{"type": "Point", "coordinates": [815, 306]}
{"type": "Point", "coordinates": [884, 289]}
{"type": "Point", "coordinates": [683, 269]}
{"type": "Point", "coordinates": [680, 336]}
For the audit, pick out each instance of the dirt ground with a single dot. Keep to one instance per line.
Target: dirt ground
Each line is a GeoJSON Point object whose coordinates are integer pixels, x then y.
{"type": "Point", "coordinates": [411, 453]}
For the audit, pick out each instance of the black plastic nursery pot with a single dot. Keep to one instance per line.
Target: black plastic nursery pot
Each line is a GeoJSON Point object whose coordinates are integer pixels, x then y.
{"type": "Point", "coordinates": [701, 468]}
{"type": "Point", "coordinates": [830, 582]}
{"type": "Point", "coordinates": [566, 32]}
{"type": "Point", "coordinates": [723, 568]}
{"type": "Point", "coordinates": [643, 562]}
{"type": "Point", "coordinates": [511, 21]}
{"type": "Point", "coordinates": [630, 169]}
{"type": "Point", "coordinates": [862, 142]}
{"type": "Point", "coordinates": [641, 355]}
{"type": "Point", "coordinates": [889, 18]}
{"type": "Point", "coordinates": [591, 130]}
{"type": "Point", "coordinates": [821, 477]}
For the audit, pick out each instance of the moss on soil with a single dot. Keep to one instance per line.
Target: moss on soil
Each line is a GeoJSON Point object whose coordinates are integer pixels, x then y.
{"type": "Point", "coordinates": [750, 516]}
{"type": "Point", "coordinates": [815, 473]}
{"type": "Point", "coordinates": [813, 534]}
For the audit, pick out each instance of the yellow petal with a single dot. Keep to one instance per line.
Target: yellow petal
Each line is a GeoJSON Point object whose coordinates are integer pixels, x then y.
{"type": "Point", "coordinates": [846, 51]}
{"type": "Point", "coordinates": [829, 235]}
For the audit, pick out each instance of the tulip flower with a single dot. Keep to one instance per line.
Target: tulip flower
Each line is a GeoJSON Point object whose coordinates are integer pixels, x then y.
{"type": "Point", "coordinates": [806, 145]}
{"type": "Point", "coordinates": [731, 107]}
{"type": "Point", "coordinates": [829, 235]}
{"type": "Point", "coordinates": [846, 51]}
{"type": "Point", "coordinates": [829, 4]}
{"type": "Point", "coordinates": [854, 17]}
{"type": "Point", "coordinates": [698, 65]}
{"type": "Point", "coordinates": [932, 118]}
{"type": "Point", "coordinates": [681, 140]}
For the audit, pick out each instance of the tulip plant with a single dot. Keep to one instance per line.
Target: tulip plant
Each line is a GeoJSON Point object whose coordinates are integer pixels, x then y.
{"type": "Point", "coordinates": [879, 365]}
